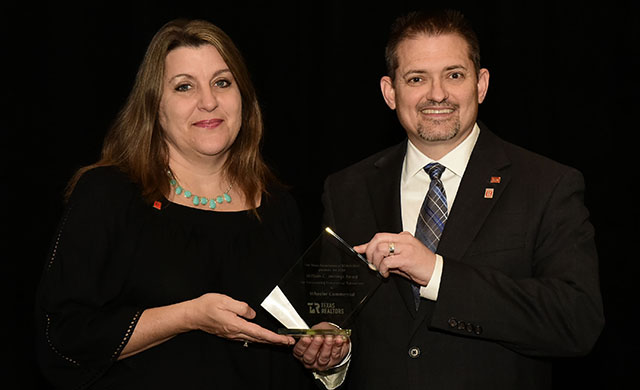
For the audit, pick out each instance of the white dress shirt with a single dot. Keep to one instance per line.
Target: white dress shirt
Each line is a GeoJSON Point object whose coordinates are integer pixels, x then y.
{"type": "Point", "coordinates": [414, 185]}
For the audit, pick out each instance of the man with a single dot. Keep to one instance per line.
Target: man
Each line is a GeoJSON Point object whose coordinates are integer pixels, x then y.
{"type": "Point", "coordinates": [502, 274]}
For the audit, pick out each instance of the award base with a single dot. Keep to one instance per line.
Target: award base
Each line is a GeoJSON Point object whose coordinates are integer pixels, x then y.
{"type": "Point", "coordinates": [314, 332]}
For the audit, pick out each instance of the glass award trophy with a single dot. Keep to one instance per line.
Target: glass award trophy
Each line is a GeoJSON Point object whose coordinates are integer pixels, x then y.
{"type": "Point", "coordinates": [329, 282]}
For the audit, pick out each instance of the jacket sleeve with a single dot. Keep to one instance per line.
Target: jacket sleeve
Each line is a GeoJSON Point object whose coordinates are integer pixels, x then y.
{"type": "Point", "coordinates": [556, 310]}
{"type": "Point", "coordinates": [81, 327]}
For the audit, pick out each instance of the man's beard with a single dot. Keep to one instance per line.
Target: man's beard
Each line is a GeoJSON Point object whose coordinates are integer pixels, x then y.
{"type": "Point", "coordinates": [438, 130]}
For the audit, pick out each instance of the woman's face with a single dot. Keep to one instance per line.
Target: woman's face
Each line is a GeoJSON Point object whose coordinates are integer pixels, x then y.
{"type": "Point", "coordinates": [201, 106]}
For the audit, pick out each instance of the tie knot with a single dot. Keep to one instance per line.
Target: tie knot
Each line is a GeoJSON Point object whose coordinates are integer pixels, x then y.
{"type": "Point", "coordinates": [434, 170]}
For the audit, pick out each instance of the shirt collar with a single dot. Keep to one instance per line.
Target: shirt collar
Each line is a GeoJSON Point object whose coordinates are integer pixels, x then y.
{"type": "Point", "coordinates": [455, 161]}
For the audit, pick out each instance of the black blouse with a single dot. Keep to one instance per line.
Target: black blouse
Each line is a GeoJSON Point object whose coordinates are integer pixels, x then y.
{"type": "Point", "coordinates": [115, 255]}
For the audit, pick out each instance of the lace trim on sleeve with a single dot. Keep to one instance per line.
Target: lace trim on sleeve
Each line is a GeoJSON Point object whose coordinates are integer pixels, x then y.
{"type": "Point", "coordinates": [127, 335]}
{"type": "Point", "coordinates": [54, 349]}
{"type": "Point", "coordinates": [54, 249]}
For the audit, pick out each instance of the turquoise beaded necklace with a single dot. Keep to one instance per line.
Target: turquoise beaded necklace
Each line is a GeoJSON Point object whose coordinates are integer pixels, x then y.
{"type": "Point", "coordinates": [200, 200]}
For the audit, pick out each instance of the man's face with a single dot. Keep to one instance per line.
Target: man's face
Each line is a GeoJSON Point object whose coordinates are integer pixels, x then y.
{"type": "Point", "coordinates": [436, 90]}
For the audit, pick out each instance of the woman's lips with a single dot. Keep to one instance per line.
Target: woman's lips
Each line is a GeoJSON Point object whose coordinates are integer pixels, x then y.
{"type": "Point", "coordinates": [209, 123]}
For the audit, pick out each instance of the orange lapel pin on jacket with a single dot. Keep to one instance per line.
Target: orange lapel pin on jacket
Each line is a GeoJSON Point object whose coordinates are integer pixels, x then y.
{"type": "Point", "coordinates": [488, 193]}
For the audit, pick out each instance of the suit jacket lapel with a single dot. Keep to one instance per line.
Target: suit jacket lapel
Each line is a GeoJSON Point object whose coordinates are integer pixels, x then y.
{"type": "Point", "coordinates": [476, 195]}
{"type": "Point", "coordinates": [384, 186]}
{"type": "Point", "coordinates": [472, 204]}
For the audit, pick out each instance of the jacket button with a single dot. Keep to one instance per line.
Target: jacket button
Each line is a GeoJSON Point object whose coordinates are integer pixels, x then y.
{"type": "Point", "coordinates": [453, 322]}
{"type": "Point", "coordinates": [470, 327]}
{"type": "Point", "coordinates": [414, 352]}
{"type": "Point", "coordinates": [477, 330]}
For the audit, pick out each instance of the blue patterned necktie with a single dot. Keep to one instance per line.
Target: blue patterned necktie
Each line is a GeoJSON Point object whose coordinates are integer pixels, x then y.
{"type": "Point", "coordinates": [433, 215]}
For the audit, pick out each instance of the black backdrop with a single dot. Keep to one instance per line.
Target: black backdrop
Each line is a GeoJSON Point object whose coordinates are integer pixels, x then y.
{"type": "Point", "coordinates": [564, 81]}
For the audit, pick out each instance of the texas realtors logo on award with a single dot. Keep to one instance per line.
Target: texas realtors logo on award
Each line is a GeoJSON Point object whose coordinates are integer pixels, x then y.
{"type": "Point", "coordinates": [324, 308]}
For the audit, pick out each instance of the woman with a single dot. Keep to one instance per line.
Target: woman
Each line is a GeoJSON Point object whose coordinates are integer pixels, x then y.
{"type": "Point", "coordinates": [173, 236]}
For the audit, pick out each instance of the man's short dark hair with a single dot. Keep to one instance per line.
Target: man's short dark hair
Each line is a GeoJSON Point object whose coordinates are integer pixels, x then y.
{"type": "Point", "coordinates": [433, 23]}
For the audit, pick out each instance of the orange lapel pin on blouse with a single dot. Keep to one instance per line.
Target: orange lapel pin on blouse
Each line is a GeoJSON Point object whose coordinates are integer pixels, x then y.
{"type": "Point", "coordinates": [157, 205]}
{"type": "Point", "coordinates": [495, 179]}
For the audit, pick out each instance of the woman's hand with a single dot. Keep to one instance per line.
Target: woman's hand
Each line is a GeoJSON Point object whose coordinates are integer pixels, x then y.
{"type": "Point", "coordinates": [213, 313]}
{"type": "Point", "coordinates": [223, 316]}
{"type": "Point", "coordinates": [321, 352]}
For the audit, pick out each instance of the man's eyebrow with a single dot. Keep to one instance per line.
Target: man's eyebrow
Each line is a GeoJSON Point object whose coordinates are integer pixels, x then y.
{"type": "Point", "coordinates": [422, 71]}
{"type": "Point", "coordinates": [414, 71]}
{"type": "Point", "coordinates": [454, 67]}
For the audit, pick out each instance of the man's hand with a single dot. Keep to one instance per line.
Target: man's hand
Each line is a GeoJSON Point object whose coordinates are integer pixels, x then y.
{"type": "Point", "coordinates": [321, 352]}
{"type": "Point", "coordinates": [401, 254]}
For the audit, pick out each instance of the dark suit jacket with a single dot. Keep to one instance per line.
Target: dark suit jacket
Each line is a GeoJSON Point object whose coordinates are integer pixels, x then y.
{"type": "Point", "coordinates": [519, 282]}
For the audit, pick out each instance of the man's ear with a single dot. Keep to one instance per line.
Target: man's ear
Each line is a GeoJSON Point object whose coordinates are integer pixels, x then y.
{"type": "Point", "coordinates": [483, 84]}
{"type": "Point", "coordinates": [388, 93]}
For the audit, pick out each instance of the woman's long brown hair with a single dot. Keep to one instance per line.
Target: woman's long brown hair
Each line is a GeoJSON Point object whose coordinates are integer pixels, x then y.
{"type": "Point", "coordinates": [136, 141]}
